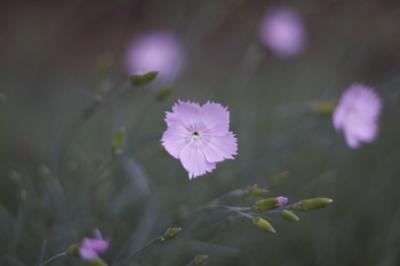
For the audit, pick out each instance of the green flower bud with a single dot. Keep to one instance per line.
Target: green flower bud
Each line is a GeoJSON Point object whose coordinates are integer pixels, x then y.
{"type": "Point", "coordinates": [141, 80]}
{"type": "Point", "coordinates": [163, 94]}
{"type": "Point", "coordinates": [290, 216]}
{"type": "Point", "coordinates": [264, 205]}
{"type": "Point", "coordinates": [255, 192]}
{"type": "Point", "coordinates": [200, 260]}
{"type": "Point", "coordinates": [263, 224]}
{"type": "Point", "coordinates": [73, 250]}
{"type": "Point", "coordinates": [117, 141]}
{"type": "Point", "coordinates": [171, 233]}
{"type": "Point", "coordinates": [312, 204]}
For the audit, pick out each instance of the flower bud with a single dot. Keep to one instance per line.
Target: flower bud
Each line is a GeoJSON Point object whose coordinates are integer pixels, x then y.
{"type": "Point", "coordinates": [290, 216]}
{"type": "Point", "coordinates": [141, 80]}
{"type": "Point", "coordinates": [255, 192]}
{"type": "Point", "coordinates": [171, 233]}
{"type": "Point", "coordinates": [117, 141]}
{"type": "Point", "coordinates": [282, 200]}
{"type": "Point", "coordinates": [312, 204]}
{"type": "Point", "coordinates": [263, 224]}
{"type": "Point", "coordinates": [97, 262]}
{"type": "Point", "coordinates": [264, 205]}
{"type": "Point", "coordinates": [199, 260]}
{"type": "Point", "coordinates": [164, 94]}
{"type": "Point", "coordinates": [73, 250]}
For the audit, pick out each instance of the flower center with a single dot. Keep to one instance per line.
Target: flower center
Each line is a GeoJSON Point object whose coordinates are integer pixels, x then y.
{"type": "Point", "coordinates": [196, 134]}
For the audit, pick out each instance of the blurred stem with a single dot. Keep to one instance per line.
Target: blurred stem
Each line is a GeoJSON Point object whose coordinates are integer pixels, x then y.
{"type": "Point", "coordinates": [286, 207]}
{"type": "Point", "coordinates": [88, 113]}
{"type": "Point", "coordinates": [42, 252]}
{"type": "Point", "coordinates": [107, 161]}
{"type": "Point", "coordinates": [53, 258]}
{"type": "Point", "coordinates": [241, 211]}
{"type": "Point", "coordinates": [233, 194]}
{"type": "Point", "coordinates": [148, 244]}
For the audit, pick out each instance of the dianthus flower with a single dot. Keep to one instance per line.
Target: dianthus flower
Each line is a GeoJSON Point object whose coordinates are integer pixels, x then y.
{"type": "Point", "coordinates": [199, 136]}
{"type": "Point", "coordinates": [91, 247]}
{"type": "Point", "coordinates": [357, 115]}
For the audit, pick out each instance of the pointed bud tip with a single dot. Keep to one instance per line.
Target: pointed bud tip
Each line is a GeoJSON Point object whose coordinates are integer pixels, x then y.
{"type": "Point", "coordinates": [263, 224]}
{"type": "Point", "coordinates": [171, 233]}
{"type": "Point", "coordinates": [289, 216]}
{"type": "Point", "coordinates": [312, 204]}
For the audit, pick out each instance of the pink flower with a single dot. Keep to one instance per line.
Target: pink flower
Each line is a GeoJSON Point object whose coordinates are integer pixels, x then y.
{"type": "Point", "coordinates": [283, 32]}
{"type": "Point", "coordinates": [281, 200]}
{"type": "Point", "coordinates": [199, 136]}
{"type": "Point", "coordinates": [357, 115]}
{"type": "Point", "coordinates": [158, 51]}
{"type": "Point", "coordinates": [91, 247]}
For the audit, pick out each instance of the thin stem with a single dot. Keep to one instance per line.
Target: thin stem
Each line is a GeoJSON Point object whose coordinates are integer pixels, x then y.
{"type": "Point", "coordinates": [281, 208]}
{"type": "Point", "coordinates": [148, 244]}
{"type": "Point", "coordinates": [59, 255]}
{"type": "Point", "coordinates": [239, 210]}
{"type": "Point", "coordinates": [103, 165]}
{"type": "Point", "coordinates": [86, 114]}
{"type": "Point", "coordinates": [233, 193]}
{"type": "Point", "coordinates": [42, 252]}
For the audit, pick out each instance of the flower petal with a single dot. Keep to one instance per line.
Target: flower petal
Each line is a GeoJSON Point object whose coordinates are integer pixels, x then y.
{"type": "Point", "coordinates": [175, 138]}
{"type": "Point", "coordinates": [219, 148]}
{"type": "Point", "coordinates": [216, 118]}
{"type": "Point", "coordinates": [87, 253]}
{"type": "Point", "coordinates": [351, 140]}
{"type": "Point", "coordinates": [363, 129]}
{"type": "Point", "coordinates": [187, 113]}
{"type": "Point", "coordinates": [194, 161]}
{"type": "Point", "coordinates": [338, 117]}
{"type": "Point", "coordinates": [95, 244]}
{"type": "Point", "coordinates": [100, 245]}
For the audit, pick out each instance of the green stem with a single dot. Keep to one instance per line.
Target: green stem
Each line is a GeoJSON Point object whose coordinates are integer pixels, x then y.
{"type": "Point", "coordinates": [148, 244]}
{"type": "Point", "coordinates": [42, 252]}
{"type": "Point", "coordinates": [59, 255]}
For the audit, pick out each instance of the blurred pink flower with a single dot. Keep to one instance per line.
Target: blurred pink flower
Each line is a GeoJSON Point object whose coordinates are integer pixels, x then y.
{"type": "Point", "coordinates": [199, 136]}
{"type": "Point", "coordinates": [283, 32]}
{"type": "Point", "coordinates": [160, 52]}
{"type": "Point", "coordinates": [282, 200]}
{"type": "Point", "coordinates": [357, 115]}
{"type": "Point", "coordinates": [91, 247]}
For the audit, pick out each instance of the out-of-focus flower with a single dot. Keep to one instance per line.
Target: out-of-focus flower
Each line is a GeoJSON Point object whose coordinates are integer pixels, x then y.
{"type": "Point", "coordinates": [199, 136]}
{"type": "Point", "coordinates": [281, 200]}
{"type": "Point", "coordinates": [283, 32]}
{"type": "Point", "coordinates": [160, 52]}
{"type": "Point", "coordinates": [92, 247]}
{"type": "Point", "coordinates": [357, 115]}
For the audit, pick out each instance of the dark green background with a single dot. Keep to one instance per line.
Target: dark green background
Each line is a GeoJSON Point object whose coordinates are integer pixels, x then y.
{"type": "Point", "coordinates": [51, 53]}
